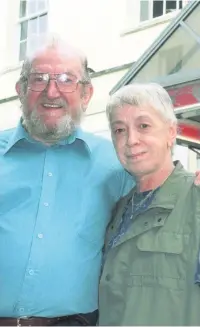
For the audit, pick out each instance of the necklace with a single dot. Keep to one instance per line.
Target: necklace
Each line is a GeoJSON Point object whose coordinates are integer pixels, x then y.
{"type": "Point", "coordinates": [137, 206]}
{"type": "Point", "coordinates": [141, 205]}
{"type": "Point", "coordinates": [127, 216]}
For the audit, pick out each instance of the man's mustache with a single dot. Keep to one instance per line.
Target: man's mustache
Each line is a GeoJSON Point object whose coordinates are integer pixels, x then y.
{"type": "Point", "coordinates": [57, 102]}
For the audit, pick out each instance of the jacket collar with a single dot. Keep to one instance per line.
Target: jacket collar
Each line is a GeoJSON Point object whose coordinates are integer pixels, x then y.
{"type": "Point", "coordinates": [168, 193]}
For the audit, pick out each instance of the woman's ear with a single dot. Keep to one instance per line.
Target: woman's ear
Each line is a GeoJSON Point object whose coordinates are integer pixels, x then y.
{"type": "Point", "coordinates": [172, 134]}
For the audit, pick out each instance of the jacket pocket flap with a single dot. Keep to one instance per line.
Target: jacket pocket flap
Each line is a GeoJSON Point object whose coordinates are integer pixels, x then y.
{"type": "Point", "coordinates": [166, 242]}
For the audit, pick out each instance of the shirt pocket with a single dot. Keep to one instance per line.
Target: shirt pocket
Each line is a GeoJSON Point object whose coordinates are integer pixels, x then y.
{"type": "Point", "coordinates": [160, 260]}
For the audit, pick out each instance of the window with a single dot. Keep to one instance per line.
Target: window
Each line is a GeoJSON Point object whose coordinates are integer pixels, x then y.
{"type": "Point", "coordinates": [150, 9]}
{"type": "Point", "coordinates": [33, 24]}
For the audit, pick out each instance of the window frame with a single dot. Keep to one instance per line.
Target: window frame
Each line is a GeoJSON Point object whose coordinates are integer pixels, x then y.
{"type": "Point", "coordinates": [150, 11]}
{"type": "Point", "coordinates": [28, 18]}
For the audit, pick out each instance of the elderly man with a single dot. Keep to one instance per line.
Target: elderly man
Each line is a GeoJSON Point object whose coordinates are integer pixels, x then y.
{"type": "Point", "coordinates": [58, 188]}
{"type": "Point", "coordinates": [151, 272]}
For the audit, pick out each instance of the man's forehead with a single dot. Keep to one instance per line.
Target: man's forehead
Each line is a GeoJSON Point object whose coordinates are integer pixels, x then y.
{"type": "Point", "coordinates": [51, 61]}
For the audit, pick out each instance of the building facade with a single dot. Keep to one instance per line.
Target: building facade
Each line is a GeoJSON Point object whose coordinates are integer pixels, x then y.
{"type": "Point", "coordinates": [113, 34]}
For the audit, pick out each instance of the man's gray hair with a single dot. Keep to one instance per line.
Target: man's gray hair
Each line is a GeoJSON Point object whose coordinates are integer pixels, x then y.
{"type": "Point", "coordinates": [140, 95]}
{"type": "Point", "coordinates": [53, 42]}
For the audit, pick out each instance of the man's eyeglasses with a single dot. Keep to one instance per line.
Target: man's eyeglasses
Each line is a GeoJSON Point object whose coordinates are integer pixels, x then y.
{"type": "Point", "coordinates": [65, 82]}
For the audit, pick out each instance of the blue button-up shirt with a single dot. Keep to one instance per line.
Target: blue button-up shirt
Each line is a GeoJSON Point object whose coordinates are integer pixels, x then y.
{"type": "Point", "coordinates": [55, 204]}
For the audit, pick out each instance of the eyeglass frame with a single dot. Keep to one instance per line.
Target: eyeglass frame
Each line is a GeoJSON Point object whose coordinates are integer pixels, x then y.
{"type": "Point", "coordinates": [26, 79]}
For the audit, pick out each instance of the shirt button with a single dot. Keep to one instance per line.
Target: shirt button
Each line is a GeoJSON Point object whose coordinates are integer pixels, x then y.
{"type": "Point", "coordinates": [31, 272]}
{"type": "Point", "coordinates": [50, 174]}
{"type": "Point", "coordinates": [46, 204]}
{"type": "Point", "coordinates": [40, 235]}
{"type": "Point", "coordinates": [108, 277]}
{"type": "Point", "coordinates": [21, 310]}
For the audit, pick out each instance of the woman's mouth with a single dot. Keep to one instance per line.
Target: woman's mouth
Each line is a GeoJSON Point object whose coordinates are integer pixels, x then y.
{"type": "Point", "coordinates": [135, 156]}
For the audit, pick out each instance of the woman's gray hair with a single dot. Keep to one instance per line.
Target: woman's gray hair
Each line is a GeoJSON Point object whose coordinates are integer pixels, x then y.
{"type": "Point", "coordinates": [140, 95]}
{"type": "Point", "coordinates": [53, 42]}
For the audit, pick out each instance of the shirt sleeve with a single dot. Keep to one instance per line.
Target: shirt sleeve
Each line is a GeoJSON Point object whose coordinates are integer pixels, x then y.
{"type": "Point", "coordinates": [120, 184]}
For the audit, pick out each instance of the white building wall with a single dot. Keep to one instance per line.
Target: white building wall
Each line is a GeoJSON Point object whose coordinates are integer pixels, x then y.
{"type": "Point", "coordinates": [94, 26]}
{"type": "Point", "coordinates": [9, 32]}
{"type": "Point", "coordinates": [11, 114]}
{"type": "Point", "coordinates": [3, 43]}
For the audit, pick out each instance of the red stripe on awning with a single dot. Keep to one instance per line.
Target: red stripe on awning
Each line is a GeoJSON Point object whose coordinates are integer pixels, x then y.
{"type": "Point", "coordinates": [189, 131]}
{"type": "Point", "coordinates": [184, 95]}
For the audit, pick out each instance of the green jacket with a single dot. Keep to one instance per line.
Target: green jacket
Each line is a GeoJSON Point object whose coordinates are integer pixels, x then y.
{"type": "Point", "coordinates": [149, 276]}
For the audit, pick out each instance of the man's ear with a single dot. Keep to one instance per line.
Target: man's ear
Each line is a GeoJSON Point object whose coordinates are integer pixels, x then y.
{"type": "Point", "coordinates": [87, 95]}
{"type": "Point", "coordinates": [17, 88]}
{"type": "Point", "coordinates": [20, 91]}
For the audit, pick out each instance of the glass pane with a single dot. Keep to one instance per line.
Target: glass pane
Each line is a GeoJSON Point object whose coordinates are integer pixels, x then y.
{"type": "Point", "coordinates": [23, 34]}
{"type": "Point", "coordinates": [42, 24]}
{"type": "Point", "coordinates": [158, 8]}
{"type": "Point", "coordinates": [193, 20]}
{"type": "Point", "coordinates": [42, 5]}
{"type": "Point", "coordinates": [144, 10]}
{"type": "Point", "coordinates": [170, 6]}
{"type": "Point", "coordinates": [180, 53]}
{"type": "Point", "coordinates": [22, 52]}
{"type": "Point", "coordinates": [22, 10]}
{"type": "Point", "coordinates": [31, 7]}
{"type": "Point", "coordinates": [32, 26]}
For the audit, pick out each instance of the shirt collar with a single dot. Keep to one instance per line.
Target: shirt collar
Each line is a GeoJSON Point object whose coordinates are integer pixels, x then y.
{"type": "Point", "coordinates": [79, 134]}
{"type": "Point", "coordinates": [87, 138]}
{"type": "Point", "coordinates": [20, 133]}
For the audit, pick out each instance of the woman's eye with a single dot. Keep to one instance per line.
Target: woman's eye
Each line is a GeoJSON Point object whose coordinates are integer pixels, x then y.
{"type": "Point", "coordinates": [119, 130]}
{"type": "Point", "coordinates": [143, 126]}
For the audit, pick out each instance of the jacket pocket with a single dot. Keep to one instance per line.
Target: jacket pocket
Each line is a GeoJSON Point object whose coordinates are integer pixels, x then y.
{"type": "Point", "coordinates": [159, 261]}
{"type": "Point", "coordinates": [166, 242]}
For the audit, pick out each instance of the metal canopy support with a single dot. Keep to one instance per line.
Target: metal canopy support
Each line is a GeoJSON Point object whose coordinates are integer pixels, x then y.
{"type": "Point", "coordinates": [194, 150]}
{"type": "Point", "coordinates": [190, 31]}
{"type": "Point", "coordinates": [177, 78]}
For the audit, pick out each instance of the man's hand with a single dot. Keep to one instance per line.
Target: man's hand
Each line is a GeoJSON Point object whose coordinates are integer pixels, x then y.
{"type": "Point", "coordinates": [197, 179]}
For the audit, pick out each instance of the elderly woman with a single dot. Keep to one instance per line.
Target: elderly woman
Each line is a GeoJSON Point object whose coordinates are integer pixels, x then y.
{"type": "Point", "coordinates": [151, 269]}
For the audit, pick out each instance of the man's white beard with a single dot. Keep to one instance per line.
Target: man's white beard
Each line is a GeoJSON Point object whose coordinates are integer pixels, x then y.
{"type": "Point", "coordinates": [64, 126]}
